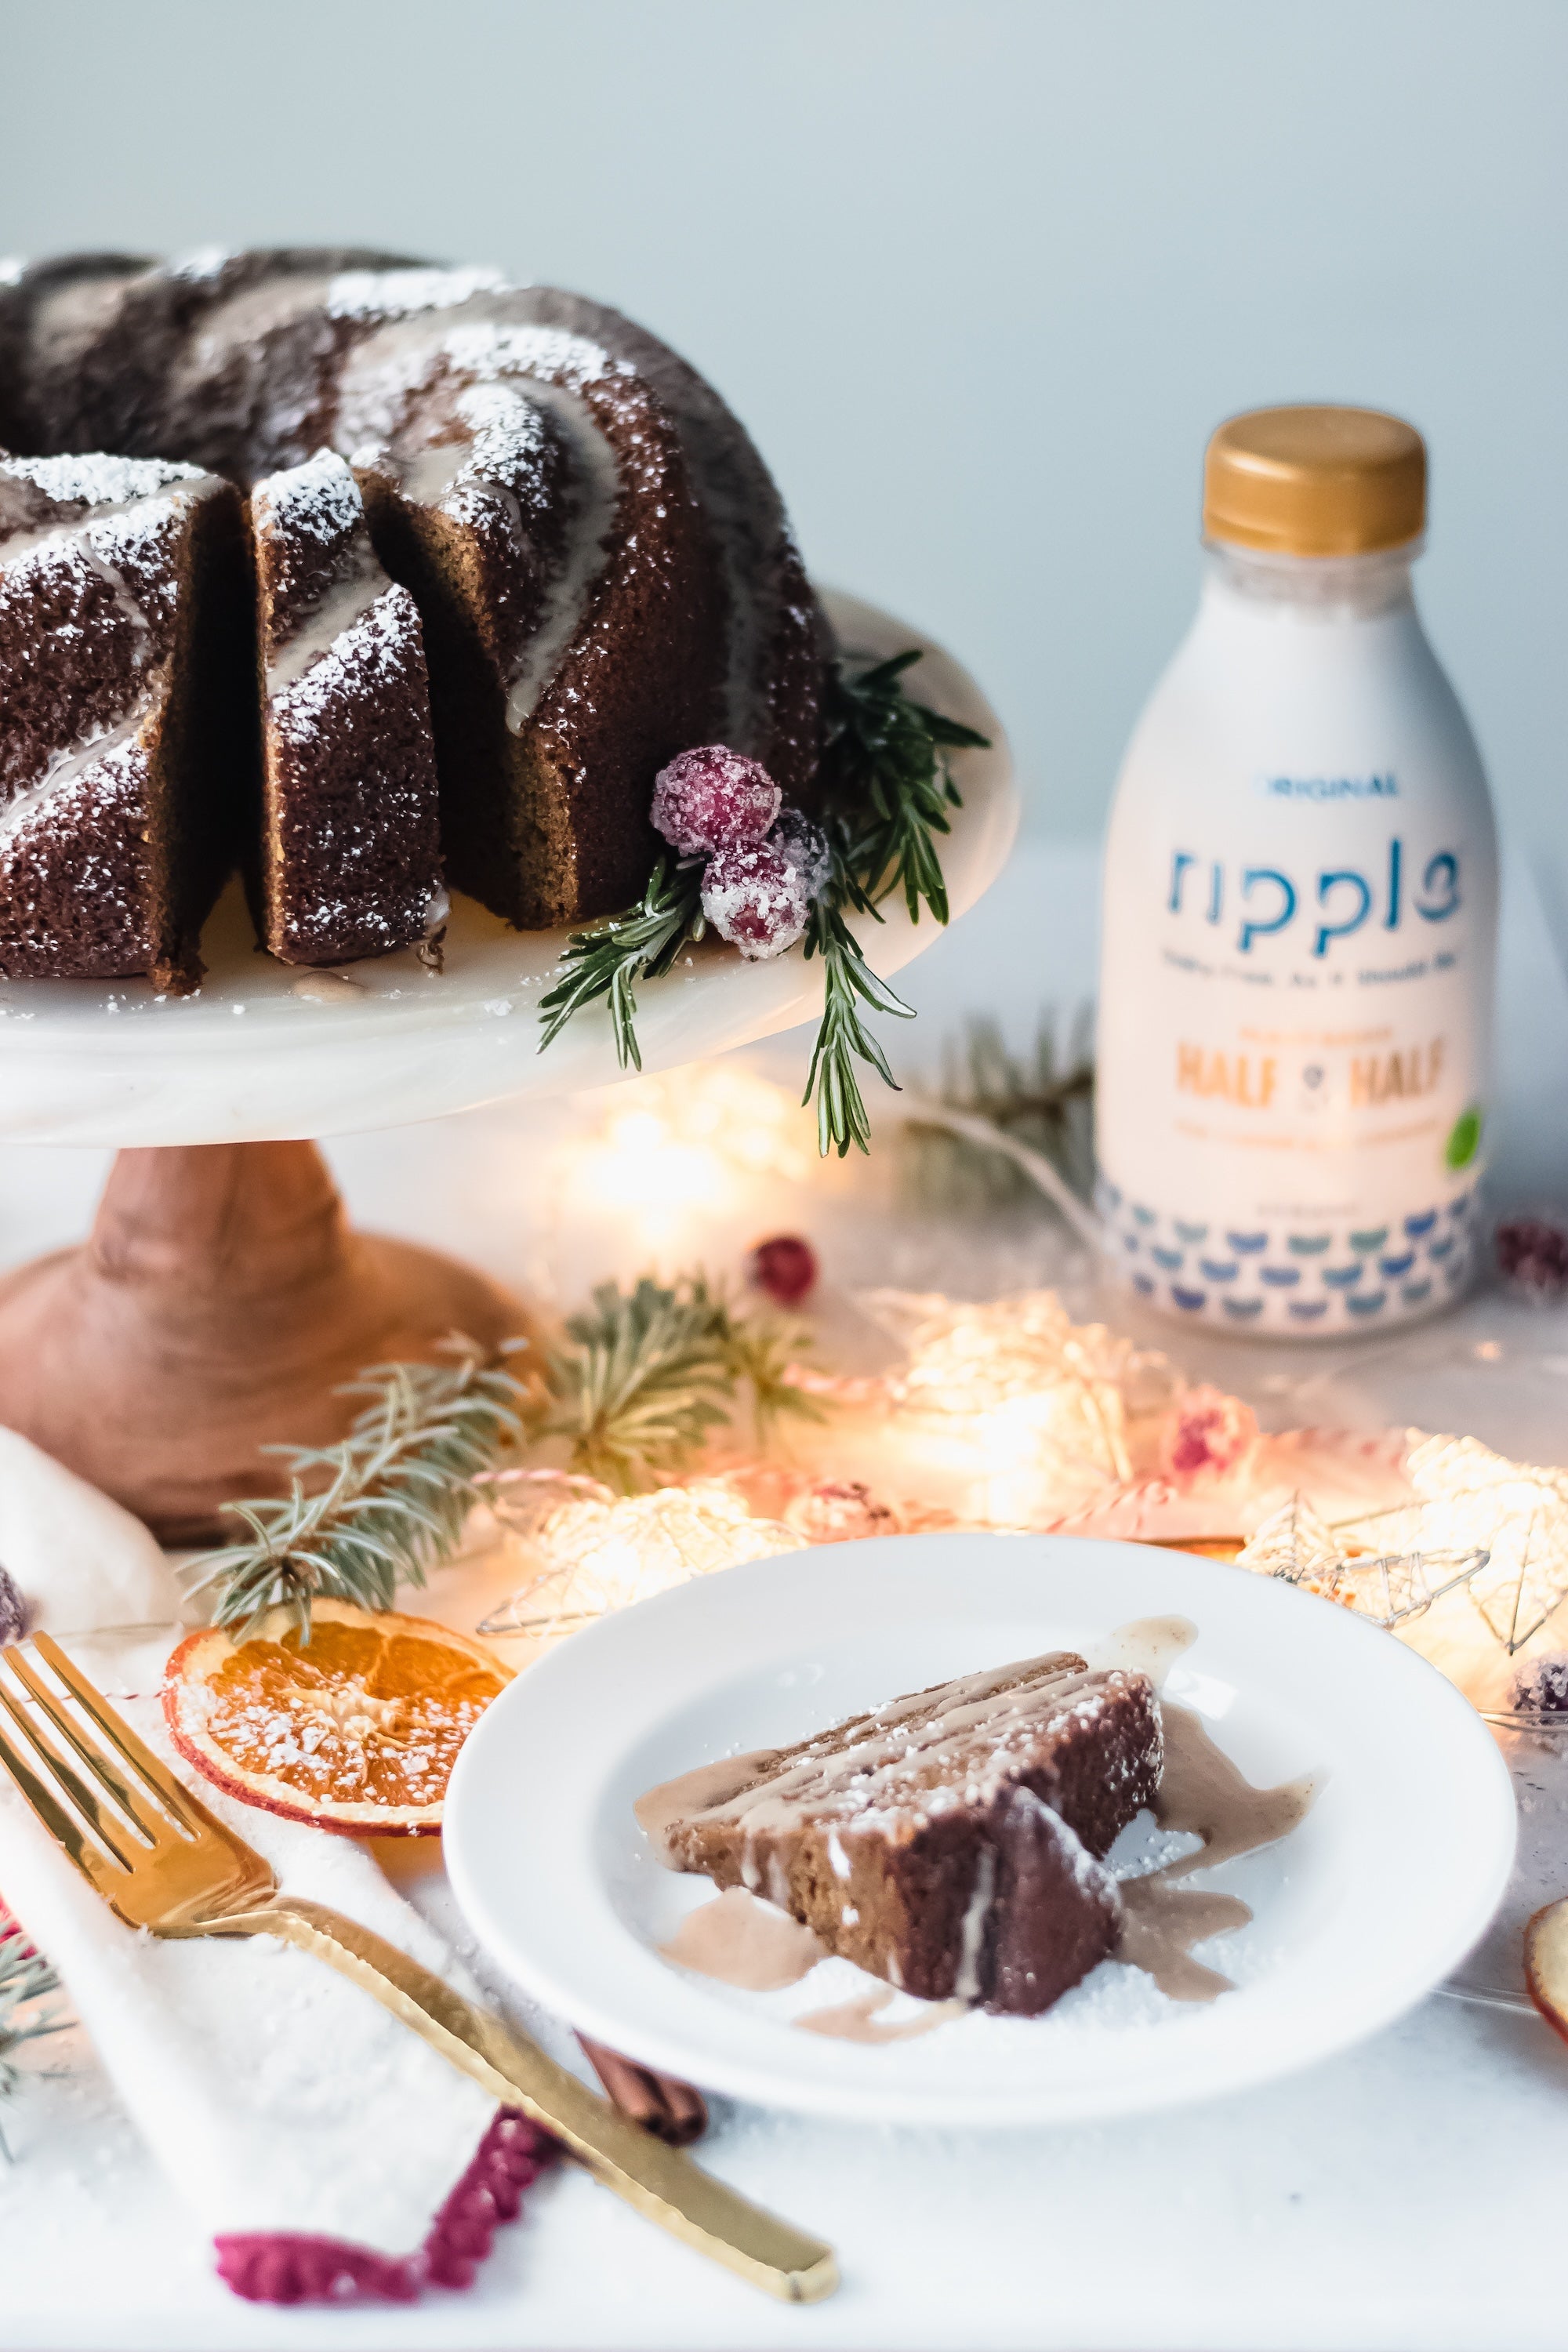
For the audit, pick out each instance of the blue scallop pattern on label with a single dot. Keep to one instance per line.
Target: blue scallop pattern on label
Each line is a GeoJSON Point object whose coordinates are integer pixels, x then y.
{"type": "Point", "coordinates": [1343, 1279]}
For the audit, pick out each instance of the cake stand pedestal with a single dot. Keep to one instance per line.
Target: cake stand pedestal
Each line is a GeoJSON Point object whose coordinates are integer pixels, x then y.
{"type": "Point", "coordinates": [222, 1299]}
{"type": "Point", "coordinates": [220, 1305]}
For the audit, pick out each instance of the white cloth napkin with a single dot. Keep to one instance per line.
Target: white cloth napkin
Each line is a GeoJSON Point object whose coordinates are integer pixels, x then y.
{"type": "Point", "coordinates": [277, 2096]}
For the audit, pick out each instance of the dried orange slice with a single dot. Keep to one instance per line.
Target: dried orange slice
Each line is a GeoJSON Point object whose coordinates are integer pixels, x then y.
{"type": "Point", "coordinates": [356, 1731]}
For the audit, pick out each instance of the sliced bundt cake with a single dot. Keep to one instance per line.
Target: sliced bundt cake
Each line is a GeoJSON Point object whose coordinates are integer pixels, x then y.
{"type": "Point", "coordinates": [600, 560]}
{"type": "Point", "coordinates": [349, 860]}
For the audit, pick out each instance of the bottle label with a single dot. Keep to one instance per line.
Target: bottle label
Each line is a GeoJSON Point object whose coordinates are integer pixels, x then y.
{"type": "Point", "coordinates": [1292, 1047]}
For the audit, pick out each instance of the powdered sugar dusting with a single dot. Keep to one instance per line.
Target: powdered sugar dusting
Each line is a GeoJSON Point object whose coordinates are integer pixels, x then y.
{"type": "Point", "coordinates": [97, 480]}
{"type": "Point", "coordinates": [317, 501]}
{"type": "Point", "coordinates": [374, 294]}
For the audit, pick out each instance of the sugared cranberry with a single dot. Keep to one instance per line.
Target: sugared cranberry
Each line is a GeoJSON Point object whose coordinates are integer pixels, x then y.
{"type": "Point", "coordinates": [13, 1609]}
{"type": "Point", "coordinates": [714, 798]}
{"type": "Point", "coordinates": [756, 896]}
{"type": "Point", "coordinates": [785, 1266]}
{"type": "Point", "coordinates": [1533, 1255]}
{"type": "Point", "coordinates": [1207, 1435]}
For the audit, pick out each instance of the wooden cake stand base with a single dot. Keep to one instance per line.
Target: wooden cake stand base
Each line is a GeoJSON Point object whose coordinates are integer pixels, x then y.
{"type": "Point", "coordinates": [219, 1303]}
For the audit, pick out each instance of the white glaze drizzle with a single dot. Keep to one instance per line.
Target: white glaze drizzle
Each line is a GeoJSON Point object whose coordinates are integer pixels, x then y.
{"type": "Point", "coordinates": [515, 367]}
{"type": "Point", "coordinates": [67, 767]}
{"type": "Point", "coordinates": [966, 1984]}
{"type": "Point", "coordinates": [345, 605]}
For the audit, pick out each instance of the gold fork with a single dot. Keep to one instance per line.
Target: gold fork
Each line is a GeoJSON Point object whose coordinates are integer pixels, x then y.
{"type": "Point", "coordinates": [161, 1861]}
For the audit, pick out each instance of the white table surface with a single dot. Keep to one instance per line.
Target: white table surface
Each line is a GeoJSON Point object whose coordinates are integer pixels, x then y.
{"type": "Point", "coordinates": [1409, 2194]}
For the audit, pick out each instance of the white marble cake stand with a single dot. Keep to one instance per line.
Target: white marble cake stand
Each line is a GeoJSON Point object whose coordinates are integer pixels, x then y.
{"type": "Point", "coordinates": [221, 1298]}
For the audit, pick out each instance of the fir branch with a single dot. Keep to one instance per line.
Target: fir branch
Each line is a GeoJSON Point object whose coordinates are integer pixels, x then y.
{"type": "Point", "coordinates": [759, 1350]}
{"type": "Point", "coordinates": [26, 1977]}
{"type": "Point", "coordinates": [640, 1385]}
{"type": "Point", "coordinates": [1043, 1098]}
{"type": "Point", "coordinates": [610, 958]}
{"type": "Point", "coordinates": [646, 1375]}
{"type": "Point", "coordinates": [382, 1508]}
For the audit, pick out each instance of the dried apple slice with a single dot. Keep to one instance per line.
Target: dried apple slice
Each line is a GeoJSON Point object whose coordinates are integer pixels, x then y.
{"type": "Point", "coordinates": [1546, 1964]}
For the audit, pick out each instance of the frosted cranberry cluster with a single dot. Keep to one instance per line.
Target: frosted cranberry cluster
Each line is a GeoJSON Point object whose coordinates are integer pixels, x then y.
{"type": "Point", "coordinates": [765, 863]}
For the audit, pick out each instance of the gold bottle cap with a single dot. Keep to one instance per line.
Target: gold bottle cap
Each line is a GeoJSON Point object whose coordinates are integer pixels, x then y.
{"type": "Point", "coordinates": [1315, 481]}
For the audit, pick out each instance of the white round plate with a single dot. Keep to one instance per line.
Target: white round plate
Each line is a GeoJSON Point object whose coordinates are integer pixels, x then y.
{"type": "Point", "coordinates": [1370, 1902]}
{"type": "Point", "coordinates": [264, 1051]}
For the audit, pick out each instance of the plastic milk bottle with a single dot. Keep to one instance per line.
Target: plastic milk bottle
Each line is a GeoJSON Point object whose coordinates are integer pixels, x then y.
{"type": "Point", "coordinates": [1300, 913]}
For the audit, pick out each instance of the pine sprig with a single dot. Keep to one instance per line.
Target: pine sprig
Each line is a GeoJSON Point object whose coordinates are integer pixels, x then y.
{"type": "Point", "coordinates": [646, 1375]}
{"type": "Point", "coordinates": [886, 788]}
{"type": "Point", "coordinates": [381, 1508]}
{"type": "Point", "coordinates": [610, 960]}
{"type": "Point", "coordinates": [26, 1979]}
{"type": "Point", "coordinates": [639, 1385]}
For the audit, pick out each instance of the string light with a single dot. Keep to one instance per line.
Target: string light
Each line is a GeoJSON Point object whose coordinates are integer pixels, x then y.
{"type": "Point", "coordinates": [591, 1551]}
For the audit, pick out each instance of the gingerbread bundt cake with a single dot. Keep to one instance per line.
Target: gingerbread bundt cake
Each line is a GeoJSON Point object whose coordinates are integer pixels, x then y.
{"type": "Point", "coordinates": [590, 559]}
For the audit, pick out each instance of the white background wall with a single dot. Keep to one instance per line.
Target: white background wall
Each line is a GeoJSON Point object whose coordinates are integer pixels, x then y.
{"type": "Point", "coordinates": [980, 277]}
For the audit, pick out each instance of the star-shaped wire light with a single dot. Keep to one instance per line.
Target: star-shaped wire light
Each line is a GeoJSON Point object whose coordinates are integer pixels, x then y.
{"type": "Point", "coordinates": [591, 1551]}
{"type": "Point", "coordinates": [1388, 1587]}
{"type": "Point", "coordinates": [1468, 1497]}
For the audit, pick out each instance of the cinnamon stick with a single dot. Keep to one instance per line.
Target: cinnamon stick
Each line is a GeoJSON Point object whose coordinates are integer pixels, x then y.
{"type": "Point", "coordinates": [672, 2110]}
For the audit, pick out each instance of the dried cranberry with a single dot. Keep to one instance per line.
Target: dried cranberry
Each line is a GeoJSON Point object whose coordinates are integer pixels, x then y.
{"type": "Point", "coordinates": [714, 798]}
{"type": "Point", "coordinates": [785, 1266]}
{"type": "Point", "coordinates": [1533, 1256]}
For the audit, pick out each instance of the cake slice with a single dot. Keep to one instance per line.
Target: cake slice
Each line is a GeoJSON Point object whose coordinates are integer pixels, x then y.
{"type": "Point", "coordinates": [349, 862]}
{"type": "Point", "coordinates": [948, 1842]}
{"type": "Point", "coordinates": [124, 713]}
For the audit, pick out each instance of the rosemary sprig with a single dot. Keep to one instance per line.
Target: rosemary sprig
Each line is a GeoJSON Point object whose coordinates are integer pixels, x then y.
{"type": "Point", "coordinates": [647, 1374]}
{"type": "Point", "coordinates": [610, 960]}
{"type": "Point", "coordinates": [888, 790]}
{"type": "Point", "coordinates": [26, 1977]}
{"type": "Point", "coordinates": [382, 1508]}
{"type": "Point", "coordinates": [887, 776]}
{"type": "Point", "coordinates": [887, 787]}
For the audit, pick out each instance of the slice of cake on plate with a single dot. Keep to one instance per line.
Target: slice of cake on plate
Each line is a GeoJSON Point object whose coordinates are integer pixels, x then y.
{"type": "Point", "coordinates": [349, 862]}
{"type": "Point", "coordinates": [124, 713]}
{"type": "Point", "coordinates": [949, 1842]}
